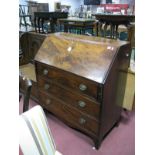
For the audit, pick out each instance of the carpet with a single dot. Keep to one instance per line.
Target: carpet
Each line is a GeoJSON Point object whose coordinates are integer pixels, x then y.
{"type": "Point", "coordinates": [120, 141]}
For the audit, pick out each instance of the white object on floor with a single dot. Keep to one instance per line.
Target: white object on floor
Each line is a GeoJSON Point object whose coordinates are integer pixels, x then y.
{"type": "Point", "coordinates": [35, 137]}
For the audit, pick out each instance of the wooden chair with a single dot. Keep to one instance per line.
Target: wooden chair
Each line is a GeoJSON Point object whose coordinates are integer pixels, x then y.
{"type": "Point", "coordinates": [27, 84]}
{"type": "Point", "coordinates": [24, 16]}
{"type": "Point", "coordinates": [20, 49]}
{"type": "Point", "coordinates": [24, 82]}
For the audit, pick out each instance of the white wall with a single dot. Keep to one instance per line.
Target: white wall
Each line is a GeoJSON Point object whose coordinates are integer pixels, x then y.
{"type": "Point", "coordinates": [50, 2]}
{"type": "Point", "coordinates": [22, 2]}
{"type": "Point", "coordinates": [73, 3]}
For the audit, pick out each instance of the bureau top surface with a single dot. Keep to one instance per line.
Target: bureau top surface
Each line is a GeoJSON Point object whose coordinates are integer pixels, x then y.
{"type": "Point", "coordinates": [88, 57]}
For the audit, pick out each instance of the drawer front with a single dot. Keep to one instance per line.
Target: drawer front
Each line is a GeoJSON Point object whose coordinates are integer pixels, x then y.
{"type": "Point", "coordinates": [69, 115]}
{"type": "Point", "coordinates": [74, 82]}
{"type": "Point", "coordinates": [84, 104]}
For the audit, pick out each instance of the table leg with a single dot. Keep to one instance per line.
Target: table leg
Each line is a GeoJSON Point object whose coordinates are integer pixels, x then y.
{"type": "Point", "coordinates": [116, 30]}
{"type": "Point", "coordinates": [83, 30]}
{"type": "Point", "coordinates": [97, 25]}
{"type": "Point", "coordinates": [113, 31]}
{"type": "Point", "coordinates": [38, 23]}
{"type": "Point", "coordinates": [35, 26]}
{"type": "Point", "coordinates": [52, 25]}
{"type": "Point", "coordinates": [60, 27]}
{"type": "Point", "coordinates": [92, 31]}
{"type": "Point", "coordinates": [65, 28]}
{"type": "Point", "coordinates": [42, 24]}
{"type": "Point", "coordinates": [130, 33]}
{"type": "Point", "coordinates": [105, 29]}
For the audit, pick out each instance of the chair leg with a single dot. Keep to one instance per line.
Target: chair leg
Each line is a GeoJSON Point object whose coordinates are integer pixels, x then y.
{"type": "Point", "coordinates": [25, 24]}
{"type": "Point", "coordinates": [20, 96]}
{"type": "Point", "coordinates": [26, 99]}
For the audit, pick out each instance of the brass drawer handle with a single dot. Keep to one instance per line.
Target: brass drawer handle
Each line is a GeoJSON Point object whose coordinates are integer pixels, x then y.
{"type": "Point", "coordinates": [46, 86]}
{"type": "Point", "coordinates": [48, 101]}
{"type": "Point", "coordinates": [82, 87]}
{"type": "Point", "coordinates": [82, 104]}
{"type": "Point", "coordinates": [82, 121]}
{"type": "Point", "coordinates": [45, 72]}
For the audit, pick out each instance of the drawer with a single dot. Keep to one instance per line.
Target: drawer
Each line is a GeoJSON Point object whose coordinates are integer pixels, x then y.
{"type": "Point", "coordinates": [84, 104]}
{"type": "Point", "coordinates": [69, 80]}
{"type": "Point", "coordinates": [69, 115]}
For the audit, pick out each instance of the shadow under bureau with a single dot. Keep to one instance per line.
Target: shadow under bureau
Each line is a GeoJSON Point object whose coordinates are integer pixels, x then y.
{"type": "Point", "coordinates": [80, 81]}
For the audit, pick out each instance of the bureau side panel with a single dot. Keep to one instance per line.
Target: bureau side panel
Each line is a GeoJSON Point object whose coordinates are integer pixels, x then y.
{"type": "Point", "coordinates": [30, 43]}
{"type": "Point", "coordinates": [113, 90]}
{"type": "Point", "coordinates": [35, 41]}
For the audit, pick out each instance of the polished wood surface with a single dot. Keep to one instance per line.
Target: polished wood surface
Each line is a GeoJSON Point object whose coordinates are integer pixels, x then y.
{"type": "Point", "coordinates": [79, 81]}
{"type": "Point", "coordinates": [83, 103]}
{"type": "Point", "coordinates": [67, 80]}
{"type": "Point", "coordinates": [69, 115]}
{"type": "Point", "coordinates": [73, 55]}
{"type": "Point", "coordinates": [116, 18]}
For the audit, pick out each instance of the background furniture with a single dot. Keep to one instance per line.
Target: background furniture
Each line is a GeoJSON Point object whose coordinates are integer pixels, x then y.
{"type": "Point", "coordinates": [24, 16]}
{"type": "Point", "coordinates": [114, 21]}
{"type": "Point", "coordinates": [37, 7]}
{"type": "Point", "coordinates": [37, 138]}
{"type": "Point", "coordinates": [40, 17]}
{"type": "Point", "coordinates": [80, 81]}
{"type": "Point", "coordinates": [30, 43]}
{"type": "Point", "coordinates": [78, 25]}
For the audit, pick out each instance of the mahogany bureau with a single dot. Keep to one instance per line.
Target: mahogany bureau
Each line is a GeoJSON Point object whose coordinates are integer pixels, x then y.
{"type": "Point", "coordinates": [79, 81]}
